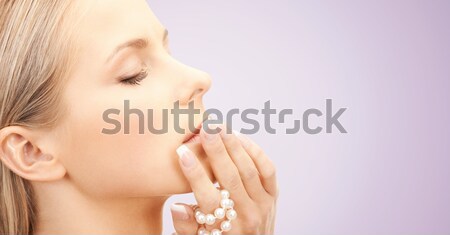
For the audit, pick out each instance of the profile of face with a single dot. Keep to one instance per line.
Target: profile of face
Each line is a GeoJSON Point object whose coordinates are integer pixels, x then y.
{"type": "Point", "coordinates": [124, 55]}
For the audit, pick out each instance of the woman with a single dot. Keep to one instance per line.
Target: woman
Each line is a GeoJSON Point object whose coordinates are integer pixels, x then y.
{"type": "Point", "coordinates": [63, 63]}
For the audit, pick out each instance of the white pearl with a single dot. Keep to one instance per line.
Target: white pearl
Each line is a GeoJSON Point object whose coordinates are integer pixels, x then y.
{"type": "Point", "coordinates": [216, 232]}
{"type": "Point", "coordinates": [201, 231]}
{"type": "Point", "coordinates": [231, 214]}
{"type": "Point", "coordinates": [219, 213]}
{"type": "Point", "coordinates": [197, 212]}
{"type": "Point", "coordinates": [224, 194]}
{"type": "Point", "coordinates": [226, 203]}
{"type": "Point", "coordinates": [201, 218]}
{"type": "Point", "coordinates": [210, 219]}
{"type": "Point", "coordinates": [225, 225]}
{"type": "Point", "coordinates": [231, 203]}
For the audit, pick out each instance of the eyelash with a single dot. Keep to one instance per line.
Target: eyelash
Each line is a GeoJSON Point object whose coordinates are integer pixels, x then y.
{"type": "Point", "coordinates": [136, 79]}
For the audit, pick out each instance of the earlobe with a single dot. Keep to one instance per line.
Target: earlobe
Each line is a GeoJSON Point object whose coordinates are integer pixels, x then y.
{"type": "Point", "coordinates": [20, 153]}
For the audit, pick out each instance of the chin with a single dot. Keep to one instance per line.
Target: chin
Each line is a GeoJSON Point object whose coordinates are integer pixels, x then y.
{"type": "Point", "coordinates": [181, 185]}
{"type": "Point", "coordinates": [203, 158]}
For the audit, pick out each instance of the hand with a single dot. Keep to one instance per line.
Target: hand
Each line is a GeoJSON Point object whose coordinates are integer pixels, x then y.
{"type": "Point", "coordinates": [242, 168]}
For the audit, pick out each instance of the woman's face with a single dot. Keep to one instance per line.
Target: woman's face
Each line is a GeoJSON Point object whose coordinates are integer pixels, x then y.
{"type": "Point", "coordinates": [134, 164]}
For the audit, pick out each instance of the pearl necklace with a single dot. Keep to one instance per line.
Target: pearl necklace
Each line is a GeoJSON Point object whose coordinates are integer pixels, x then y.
{"type": "Point", "coordinates": [226, 210]}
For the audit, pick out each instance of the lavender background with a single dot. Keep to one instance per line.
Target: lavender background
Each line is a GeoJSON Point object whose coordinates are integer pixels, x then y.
{"type": "Point", "coordinates": [387, 61]}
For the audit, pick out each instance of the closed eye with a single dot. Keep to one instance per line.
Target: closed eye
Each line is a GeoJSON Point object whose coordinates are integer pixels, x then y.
{"type": "Point", "coordinates": [135, 79]}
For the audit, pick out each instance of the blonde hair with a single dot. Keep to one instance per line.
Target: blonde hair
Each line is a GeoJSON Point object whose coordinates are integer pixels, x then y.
{"type": "Point", "coordinates": [34, 59]}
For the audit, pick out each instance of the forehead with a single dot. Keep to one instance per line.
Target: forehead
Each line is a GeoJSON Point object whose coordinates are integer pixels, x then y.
{"type": "Point", "coordinates": [104, 24]}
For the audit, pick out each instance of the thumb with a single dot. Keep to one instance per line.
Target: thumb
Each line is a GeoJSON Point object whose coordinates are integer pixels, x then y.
{"type": "Point", "coordinates": [183, 219]}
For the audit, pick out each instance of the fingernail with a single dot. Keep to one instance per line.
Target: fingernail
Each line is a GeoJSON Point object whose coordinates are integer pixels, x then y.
{"type": "Point", "coordinates": [226, 132]}
{"type": "Point", "coordinates": [186, 156]}
{"type": "Point", "coordinates": [212, 133]}
{"type": "Point", "coordinates": [236, 133]}
{"type": "Point", "coordinates": [179, 212]}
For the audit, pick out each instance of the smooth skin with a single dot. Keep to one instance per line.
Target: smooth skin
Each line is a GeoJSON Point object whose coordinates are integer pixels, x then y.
{"type": "Point", "coordinates": [87, 182]}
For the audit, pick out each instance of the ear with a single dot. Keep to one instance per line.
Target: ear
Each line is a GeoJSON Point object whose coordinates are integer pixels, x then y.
{"type": "Point", "coordinates": [25, 152]}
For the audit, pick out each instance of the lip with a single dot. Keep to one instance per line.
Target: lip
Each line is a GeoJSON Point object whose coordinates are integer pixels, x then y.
{"type": "Point", "coordinates": [193, 134]}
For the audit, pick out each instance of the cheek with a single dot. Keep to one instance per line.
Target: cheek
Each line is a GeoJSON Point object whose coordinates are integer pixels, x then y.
{"type": "Point", "coordinates": [124, 165]}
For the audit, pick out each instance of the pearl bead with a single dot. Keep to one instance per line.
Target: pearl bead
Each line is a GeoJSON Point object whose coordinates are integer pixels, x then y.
{"type": "Point", "coordinates": [216, 232]}
{"type": "Point", "coordinates": [225, 225]}
{"type": "Point", "coordinates": [201, 231]}
{"type": "Point", "coordinates": [231, 214]}
{"type": "Point", "coordinates": [224, 194]}
{"type": "Point", "coordinates": [227, 203]}
{"type": "Point", "coordinates": [210, 219]}
{"type": "Point", "coordinates": [224, 211]}
{"type": "Point", "coordinates": [197, 212]}
{"type": "Point", "coordinates": [201, 218]}
{"type": "Point", "coordinates": [219, 213]}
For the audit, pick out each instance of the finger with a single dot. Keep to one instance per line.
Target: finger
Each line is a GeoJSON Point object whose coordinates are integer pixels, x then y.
{"type": "Point", "coordinates": [206, 194]}
{"type": "Point", "coordinates": [224, 169]}
{"type": "Point", "coordinates": [183, 219]}
{"type": "Point", "coordinates": [245, 165]}
{"type": "Point", "coordinates": [264, 165]}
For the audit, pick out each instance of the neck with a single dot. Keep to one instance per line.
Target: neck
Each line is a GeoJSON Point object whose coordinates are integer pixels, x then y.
{"type": "Point", "coordinates": [62, 209]}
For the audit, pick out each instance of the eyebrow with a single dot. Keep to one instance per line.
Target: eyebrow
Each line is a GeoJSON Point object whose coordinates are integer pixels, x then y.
{"type": "Point", "coordinates": [138, 43]}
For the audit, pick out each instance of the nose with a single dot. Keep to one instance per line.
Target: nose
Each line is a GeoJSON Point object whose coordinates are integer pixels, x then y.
{"type": "Point", "coordinates": [194, 84]}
